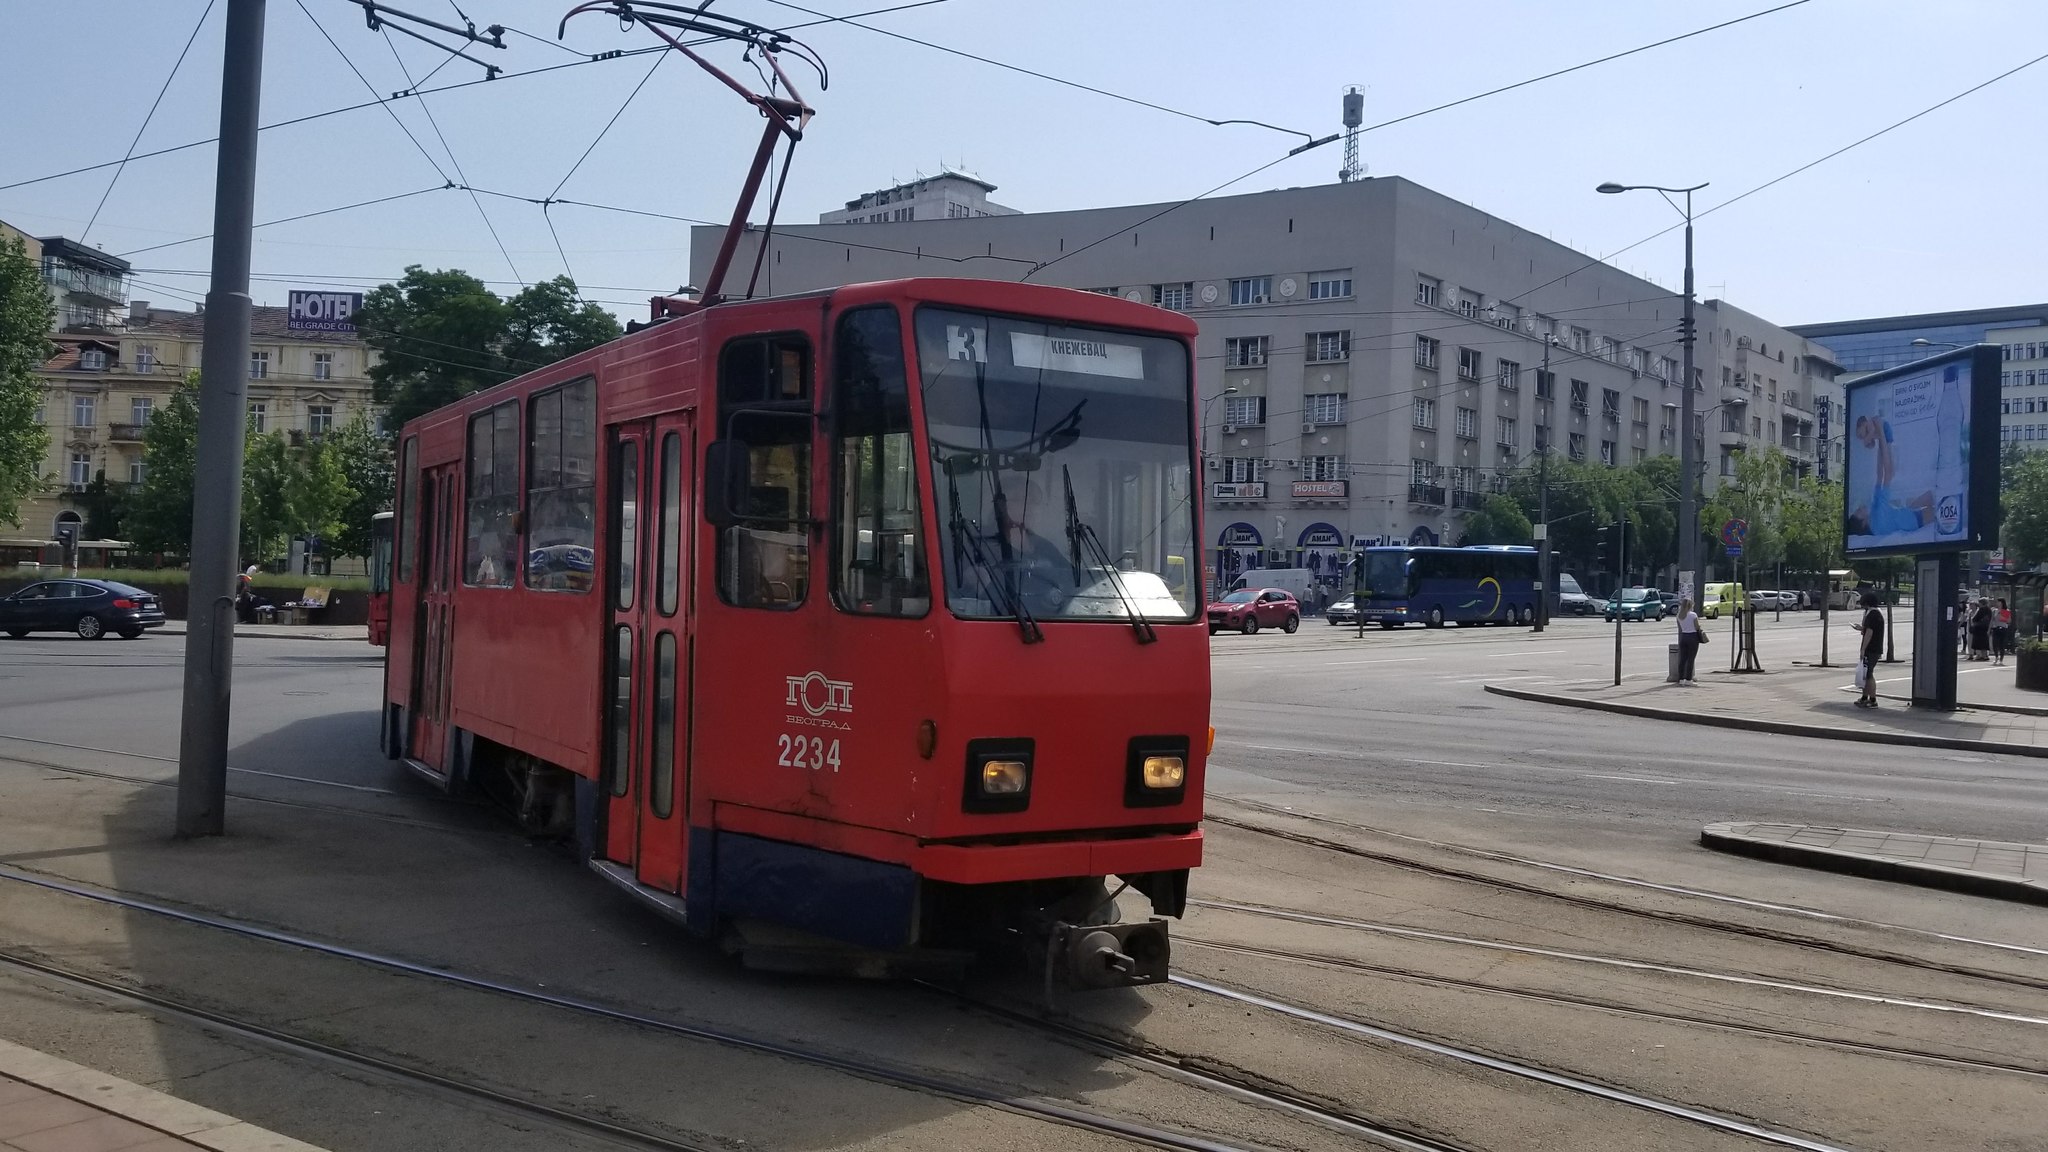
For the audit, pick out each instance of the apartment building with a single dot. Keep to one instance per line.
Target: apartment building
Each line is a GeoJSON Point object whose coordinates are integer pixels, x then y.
{"type": "Point", "coordinates": [109, 377]}
{"type": "Point", "coordinates": [950, 195]}
{"type": "Point", "coordinates": [1371, 353]}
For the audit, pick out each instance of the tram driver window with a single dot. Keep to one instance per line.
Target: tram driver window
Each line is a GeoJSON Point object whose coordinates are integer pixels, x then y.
{"type": "Point", "coordinates": [764, 404]}
{"type": "Point", "coordinates": [490, 549]}
{"type": "Point", "coordinates": [880, 569]}
{"type": "Point", "coordinates": [561, 487]}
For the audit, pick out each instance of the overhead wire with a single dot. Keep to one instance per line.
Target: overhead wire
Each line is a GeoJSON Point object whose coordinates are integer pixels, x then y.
{"type": "Point", "coordinates": [146, 118]}
{"type": "Point", "coordinates": [1142, 103]}
{"type": "Point", "coordinates": [300, 216]}
{"type": "Point", "coordinates": [388, 110]}
{"type": "Point", "coordinates": [460, 174]}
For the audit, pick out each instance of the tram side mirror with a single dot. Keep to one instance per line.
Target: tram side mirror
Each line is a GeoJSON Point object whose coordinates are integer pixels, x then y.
{"type": "Point", "coordinates": [725, 481]}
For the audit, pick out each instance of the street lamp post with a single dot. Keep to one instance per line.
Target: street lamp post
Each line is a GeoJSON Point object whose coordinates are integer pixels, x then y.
{"type": "Point", "coordinates": [1543, 506]}
{"type": "Point", "coordinates": [1688, 462]}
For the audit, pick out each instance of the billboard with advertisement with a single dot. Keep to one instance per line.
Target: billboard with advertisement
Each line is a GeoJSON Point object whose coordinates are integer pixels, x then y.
{"type": "Point", "coordinates": [1921, 465]}
{"type": "Point", "coordinates": [322, 311]}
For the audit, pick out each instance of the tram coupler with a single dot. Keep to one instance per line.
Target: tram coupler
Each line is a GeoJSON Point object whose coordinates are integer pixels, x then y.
{"type": "Point", "coordinates": [1108, 955]}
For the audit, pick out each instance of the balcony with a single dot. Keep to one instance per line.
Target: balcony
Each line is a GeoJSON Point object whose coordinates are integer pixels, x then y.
{"type": "Point", "coordinates": [126, 433]}
{"type": "Point", "coordinates": [1468, 501]}
{"type": "Point", "coordinates": [1429, 494]}
{"type": "Point", "coordinates": [1238, 490]}
{"type": "Point", "coordinates": [86, 287]}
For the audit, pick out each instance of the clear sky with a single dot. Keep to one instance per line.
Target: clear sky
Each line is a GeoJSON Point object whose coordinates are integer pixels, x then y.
{"type": "Point", "coordinates": [1943, 213]}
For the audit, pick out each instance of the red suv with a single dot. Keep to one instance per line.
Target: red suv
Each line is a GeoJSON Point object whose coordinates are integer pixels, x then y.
{"type": "Point", "coordinates": [1250, 609]}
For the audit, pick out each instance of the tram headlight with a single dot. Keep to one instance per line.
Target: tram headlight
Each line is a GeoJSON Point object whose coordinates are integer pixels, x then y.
{"type": "Point", "coordinates": [998, 776]}
{"type": "Point", "coordinates": [1163, 772]}
{"type": "Point", "coordinates": [1155, 771]}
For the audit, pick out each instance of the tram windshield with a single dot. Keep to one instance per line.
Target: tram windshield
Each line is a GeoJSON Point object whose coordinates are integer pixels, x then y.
{"type": "Point", "coordinates": [380, 552]}
{"type": "Point", "coordinates": [1062, 469]}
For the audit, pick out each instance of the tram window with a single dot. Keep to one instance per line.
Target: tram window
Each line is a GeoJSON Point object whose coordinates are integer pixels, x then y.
{"type": "Point", "coordinates": [491, 500]}
{"type": "Point", "coordinates": [662, 771]}
{"type": "Point", "coordinates": [408, 506]}
{"type": "Point", "coordinates": [626, 497]}
{"type": "Point", "coordinates": [669, 592]}
{"type": "Point", "coordinates": [561, 487]}
{"type": "Point", "coordinates": [765, 561]}
{"type": "Point", "coordinates": [881, 565]}
{"type": "Point", "coordinates": [619, 736]}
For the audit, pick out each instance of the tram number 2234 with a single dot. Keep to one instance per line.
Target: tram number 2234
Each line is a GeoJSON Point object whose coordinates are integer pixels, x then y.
{"type": "Point", "coordinates": [794, 751]}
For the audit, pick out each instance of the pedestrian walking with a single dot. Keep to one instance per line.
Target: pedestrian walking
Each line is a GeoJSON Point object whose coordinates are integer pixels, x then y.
{"type": "Point", "coordinates": [1872, 650]}
{"type": "Point", "coordinates": [2001, 631]}
{"type": "Point", "coordinates": [1689, 640]}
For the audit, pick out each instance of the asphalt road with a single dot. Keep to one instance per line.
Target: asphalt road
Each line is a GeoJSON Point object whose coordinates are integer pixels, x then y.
{"type": "Point", "coordinates": [1387, 846]}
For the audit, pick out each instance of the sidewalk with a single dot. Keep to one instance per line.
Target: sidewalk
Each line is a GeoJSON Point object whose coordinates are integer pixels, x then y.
{"type": "Point", "coordinates": [1997, 868]}
{"type": "Point", "coordinates": [360, 633]}
{"type": "Point", "coordinates": [1806, 701]}
{"type": "Point", "coordinates": [52, 1105]}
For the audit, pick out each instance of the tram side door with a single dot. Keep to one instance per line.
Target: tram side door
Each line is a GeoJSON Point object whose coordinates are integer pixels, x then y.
{"type": "Point", "coordinates": [433, 633]}
{"type": "Point", "coordinates": [648, 651]}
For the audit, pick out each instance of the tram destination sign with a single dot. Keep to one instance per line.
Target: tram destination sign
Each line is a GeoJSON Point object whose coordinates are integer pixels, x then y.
{"type": "Point", "coordinates": [312, 311]}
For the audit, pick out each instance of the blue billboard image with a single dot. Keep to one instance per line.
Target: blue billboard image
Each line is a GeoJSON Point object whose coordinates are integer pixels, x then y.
{"type": "Point", "coordinates": [1916, 479]}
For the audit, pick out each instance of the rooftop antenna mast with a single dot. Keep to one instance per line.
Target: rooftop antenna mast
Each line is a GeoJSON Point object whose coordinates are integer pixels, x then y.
{"type": "Point", "coordinates": [1354, 115]}
{"type": "Point", "coordinates": [785, 112]}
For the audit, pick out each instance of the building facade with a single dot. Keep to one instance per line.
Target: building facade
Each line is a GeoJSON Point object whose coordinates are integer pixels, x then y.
{"type": "Point", "coordinates": [109, 377]}
{"type": "Point", "coordinates": [1371, 353]}
{"type": "Point", "coordinates": [951, 195]}
{"type": "Point", "coordinates": [2023, 384]}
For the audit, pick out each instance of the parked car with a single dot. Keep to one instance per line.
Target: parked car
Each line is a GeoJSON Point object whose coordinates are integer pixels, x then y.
{"type": "Point", "coordinates": [1635, 604]}
{"type": "Point", "coordinates": [1770, 600]}
{"type": "Point", "coordinates": [90, 608]}
{"type": "Point", "coordinates": [1342, 611]}
{"type": "Point", "coordinates": [1250, 609]}
{"type": "Point", "coordinates": [1572, 598]}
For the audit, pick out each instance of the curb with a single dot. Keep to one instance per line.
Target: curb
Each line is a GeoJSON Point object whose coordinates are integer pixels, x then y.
{"type": "Point", "coordinates": [167, 630]}
{"type": "Point", "coordinates": [1781, 727]}
{"type": "Point", "coordinates": [1721, 838]}
{"type": "Point", "coordinates": [2013, 709]}
{"type": "Point", "coordinates": [178, 1119]}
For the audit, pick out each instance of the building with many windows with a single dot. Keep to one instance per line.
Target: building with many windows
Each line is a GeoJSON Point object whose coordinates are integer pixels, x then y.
{"type": "Point", "coordinates": [2021, 332]}
{"type": "Point", "coordinates": [951, 195]}
{"type": "Point", "coordinates": [108, 378]}
{"type": "Point", "coordinates": [1371, 353]}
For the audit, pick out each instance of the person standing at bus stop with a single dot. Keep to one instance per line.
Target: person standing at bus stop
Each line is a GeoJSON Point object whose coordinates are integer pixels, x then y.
{"type": "Point", "coordinates": [1689, 638]}
{"type": "Point", "coordinates": [1872, 629]}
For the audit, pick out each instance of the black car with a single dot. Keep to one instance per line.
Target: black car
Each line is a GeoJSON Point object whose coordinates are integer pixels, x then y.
{"type": "Point", "coordinates": [91, 608]}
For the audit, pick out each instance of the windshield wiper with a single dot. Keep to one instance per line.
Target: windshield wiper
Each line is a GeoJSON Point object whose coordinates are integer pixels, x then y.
{"type": "Point", "coordinates": [966, 546]}
{"type": "Point", "coordinates": [1081, 534]}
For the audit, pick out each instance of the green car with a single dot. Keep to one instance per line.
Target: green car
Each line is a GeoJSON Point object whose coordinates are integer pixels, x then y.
{"type": "Point", "coordinates": [1635, 604]}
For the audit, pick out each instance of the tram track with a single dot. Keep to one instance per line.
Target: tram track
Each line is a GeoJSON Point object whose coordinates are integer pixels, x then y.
{"type": "Point", "coordinates": [1625, 881]}
{"type": "Point", "coordinates": [391, 1071]}
{"type": "Point", "coordinates": [1403, 931]}
{"type": "Point", "coordinates": [1343, 964]}
{"type": "Point", "coordinates": [1770, 935]}
{"type": "Point", "coordinates": [875, 1071]}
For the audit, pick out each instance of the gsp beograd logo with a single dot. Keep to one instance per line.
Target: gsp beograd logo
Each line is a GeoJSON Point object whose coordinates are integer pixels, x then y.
{"type": "Point", "coordinates": [819, 696]}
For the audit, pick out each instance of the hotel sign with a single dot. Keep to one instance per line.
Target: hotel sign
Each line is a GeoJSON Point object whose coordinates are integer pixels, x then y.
{"type": "Point", "coordinates": [323, 311]}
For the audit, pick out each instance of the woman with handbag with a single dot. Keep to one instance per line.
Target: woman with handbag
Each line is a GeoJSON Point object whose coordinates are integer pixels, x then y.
{"type": "Point", "coordinates": [1690, 637]}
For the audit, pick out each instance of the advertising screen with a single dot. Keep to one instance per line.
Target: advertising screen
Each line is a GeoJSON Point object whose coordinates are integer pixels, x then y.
{"type": "Point", "coordinates": [1922, 456]}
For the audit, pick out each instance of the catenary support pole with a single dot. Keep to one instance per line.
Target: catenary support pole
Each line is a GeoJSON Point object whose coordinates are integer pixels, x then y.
{"type": "Point", "coordinates": [1621, 562]}
{"type": "Point", "coordinates": [1688, 454]}
{"type": "Point", "coordinates": [1544, 593]}
{"type": "Point", "coordinates": [217, 473]}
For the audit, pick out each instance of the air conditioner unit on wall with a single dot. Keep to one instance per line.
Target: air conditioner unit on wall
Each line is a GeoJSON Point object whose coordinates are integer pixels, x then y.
{"type": "Point", "coordinates": [1229, 429]}
{"type": "Point", "coordinates": [1307, 426]}
{"type": "Point", "coordinates": [1258, 299]}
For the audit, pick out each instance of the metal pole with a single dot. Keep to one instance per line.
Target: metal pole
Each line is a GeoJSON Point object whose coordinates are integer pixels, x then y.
{"type": "Point", "coordinates": [1688, 455]}
{"type": "Point", "coordinates": [1779, 616]}
{"type": "Point", "coordinates": [1543, 510]}
{"type": "Point", "coordinates": [1621, 562]}
{"type": "Point", "coordinates": [1891, 593]}
{"type": "Point", "coordinates": [217, 472]}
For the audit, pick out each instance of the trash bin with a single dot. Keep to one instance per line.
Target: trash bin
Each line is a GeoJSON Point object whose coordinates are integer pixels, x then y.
{"type": "Point", "coordinates": [1671, 665]}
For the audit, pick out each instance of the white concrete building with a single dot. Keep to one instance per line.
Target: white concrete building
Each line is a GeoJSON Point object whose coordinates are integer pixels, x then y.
{"type": "Point", "coordinates": [1370, 352]}
{"type": "Point", "coordinates": [950, 195]}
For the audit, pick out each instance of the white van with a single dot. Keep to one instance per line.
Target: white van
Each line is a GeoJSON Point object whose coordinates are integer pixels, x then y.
{"type": "Point", "coordinates": [1299, 581]}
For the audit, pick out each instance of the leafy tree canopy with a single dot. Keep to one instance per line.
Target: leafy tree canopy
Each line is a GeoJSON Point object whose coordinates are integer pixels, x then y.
{"type": "Point", "coordinates": [441, 335]}
{"type": "Point", "coordinates": [25, 316]}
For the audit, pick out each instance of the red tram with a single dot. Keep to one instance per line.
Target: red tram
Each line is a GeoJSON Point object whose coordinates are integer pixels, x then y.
{"type": "Point", "coordinates": [866, 613]}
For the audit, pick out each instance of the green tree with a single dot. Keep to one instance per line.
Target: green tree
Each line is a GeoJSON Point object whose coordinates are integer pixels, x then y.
{"type": "Point", "coordinates": [2024, 531]}
{"type": "Point", "coordinates": [365, 461]}
{"type": "Point", "coordinates": [1810, 519]}
{"type": "Point", "coordinates": [441, 335]}
{"type": "Point", "coordinates": [1499, 520]}
{"type": "Point", "coordinates": [267, 476]}
{"type": "Point", "coordinates": [159, 513]}
{"type": "Point", "coordinates": [106, 507]}
{"type": "Point", "coordinates": [25, 317]}
{"type": "Point", "coordinates": [320, 493]}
